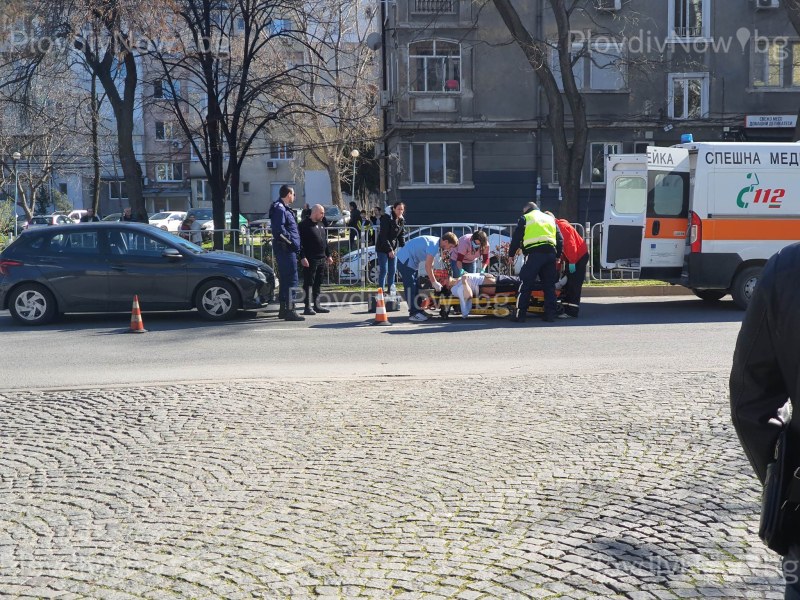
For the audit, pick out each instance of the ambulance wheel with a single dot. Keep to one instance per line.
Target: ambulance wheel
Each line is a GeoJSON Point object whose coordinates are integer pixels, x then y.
{"type": "Point", "coordinates": [710, 295]}
{"type": "Point", "coordinates": [744, 285]}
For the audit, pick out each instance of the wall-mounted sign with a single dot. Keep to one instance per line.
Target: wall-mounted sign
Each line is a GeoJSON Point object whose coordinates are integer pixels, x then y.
{"type": "Point", "coordinates": [770, 121]}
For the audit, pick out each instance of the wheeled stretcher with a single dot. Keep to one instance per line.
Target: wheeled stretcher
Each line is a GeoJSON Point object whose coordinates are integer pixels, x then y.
{"type": "Point", "coordinates": [497, 299]}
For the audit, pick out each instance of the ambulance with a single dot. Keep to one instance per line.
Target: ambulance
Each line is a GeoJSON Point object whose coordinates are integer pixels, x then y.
{"type": "Point", "coordinates": [706, 215]}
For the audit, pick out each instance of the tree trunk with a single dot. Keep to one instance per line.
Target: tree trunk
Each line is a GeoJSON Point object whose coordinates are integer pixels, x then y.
{"type": "Point", "coordinates": [336, 184]}
{"type": "Point", "coordinates": [234, 183]}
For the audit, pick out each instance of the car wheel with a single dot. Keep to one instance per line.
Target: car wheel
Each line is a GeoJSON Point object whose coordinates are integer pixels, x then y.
{"type": "Point", "coordinates": [710, 295]}
{"type": "Point", "coordinates": [32, 304]}
{"type": "Point", "coordinates": [373, 271]}
{"type": "Point", "coordinates": [217, 300]}
{"type": "Point", "coordinates": [496, 267]}
{"type": "Point", "coordinates": [744, 284]}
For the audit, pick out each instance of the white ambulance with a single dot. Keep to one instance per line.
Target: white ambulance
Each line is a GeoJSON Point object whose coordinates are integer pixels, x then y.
{"type": "Point", "coordinates": [706, 215]}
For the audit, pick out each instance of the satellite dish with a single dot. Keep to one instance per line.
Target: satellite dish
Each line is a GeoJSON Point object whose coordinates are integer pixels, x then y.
{"type": "Point", "coordinates": [374, 40]}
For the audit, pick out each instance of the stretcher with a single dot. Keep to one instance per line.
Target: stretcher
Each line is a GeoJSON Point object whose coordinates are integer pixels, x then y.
{"type": "Point", "coordinates": [496, 300]}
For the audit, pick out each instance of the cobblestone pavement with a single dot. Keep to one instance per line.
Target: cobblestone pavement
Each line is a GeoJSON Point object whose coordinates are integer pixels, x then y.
{"type": "Point", "coordinates": [596, 486]}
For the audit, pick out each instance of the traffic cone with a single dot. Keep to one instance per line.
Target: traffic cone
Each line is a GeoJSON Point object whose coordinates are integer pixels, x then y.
{"type": "Point", "coordinates": [137, 325]}
{"type": "Point", "coordinates": [380, 310]}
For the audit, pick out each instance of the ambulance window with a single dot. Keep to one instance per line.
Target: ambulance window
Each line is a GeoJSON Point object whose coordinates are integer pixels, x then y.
{"type": "Point", "coordinates": [630, 195]}
{"type": "Point", "coordinates": [667, 194]}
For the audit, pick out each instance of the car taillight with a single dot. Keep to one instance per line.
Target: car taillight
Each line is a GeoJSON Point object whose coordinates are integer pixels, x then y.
{"type": "Point", "coordinates": [695, 232]}
{"type": "Point", "coordinates": [5, 264]}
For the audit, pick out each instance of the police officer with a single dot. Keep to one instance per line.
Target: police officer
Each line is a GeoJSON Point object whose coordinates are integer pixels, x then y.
{"type": "Point", "coordinates": [286, 245]}
{"type": "Point", "coordinates": [540, 240]}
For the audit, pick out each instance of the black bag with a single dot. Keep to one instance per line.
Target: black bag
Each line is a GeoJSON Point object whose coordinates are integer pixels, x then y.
{"type": "Point", "coordinates": [781, 499]}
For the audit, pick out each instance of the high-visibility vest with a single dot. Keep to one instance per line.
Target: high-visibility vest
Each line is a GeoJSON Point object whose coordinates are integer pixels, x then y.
{"type": "Point", "coordinates": [540, 229]}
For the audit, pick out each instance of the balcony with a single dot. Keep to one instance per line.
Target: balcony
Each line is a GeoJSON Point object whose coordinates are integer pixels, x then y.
{"type": "Point", "coordinates": [433, 6]}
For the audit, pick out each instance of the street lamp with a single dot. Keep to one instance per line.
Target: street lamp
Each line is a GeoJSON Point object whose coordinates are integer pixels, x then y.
{"type": "Point", "coordinates": [354, 153]}
{"type": "Point", "coordinates": [16, 156]}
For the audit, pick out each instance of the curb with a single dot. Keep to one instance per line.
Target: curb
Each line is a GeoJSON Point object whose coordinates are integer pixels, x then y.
{"type": "Point", "coordinates": [589, 291]}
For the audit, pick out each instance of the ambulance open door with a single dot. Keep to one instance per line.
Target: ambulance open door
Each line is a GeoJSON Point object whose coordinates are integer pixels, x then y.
{"type": "Point", "coordinates": [667, 214]}
{"type": "Point", "coordinates": [623, 218]}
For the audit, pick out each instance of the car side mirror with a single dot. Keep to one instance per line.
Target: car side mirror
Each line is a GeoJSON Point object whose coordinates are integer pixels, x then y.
{"type": "Point", "coordinates": [171, 253]}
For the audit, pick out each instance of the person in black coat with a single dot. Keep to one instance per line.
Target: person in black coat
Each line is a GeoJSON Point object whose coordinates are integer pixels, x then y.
{"type": "Point", "coordinates": [765, 378]}
{"type": "Point", "coordinates": [315, 256]}
{"type": "Point", "coordinates": [354, 224]}
{"type": "Point", "coordinates": [391, 236]}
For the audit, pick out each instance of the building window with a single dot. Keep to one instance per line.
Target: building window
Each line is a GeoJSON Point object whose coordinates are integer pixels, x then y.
{"type": "Point", "coordinates": [688, 95]}
{"type": "Point", "coordinates": [169, 171]}
{"type": "Point", "coordinates": [434, 66]}
{"type": "Point", "coordinates": [281, 151]}
{"type": "Point", "coordinates": [436, 163]}
{"type": "Point", "coordinates": [199, 189]}
{"type": "Point", "coordinates": [596, 67]}
{"type": "Point", "coordinates": [62, 187]}
{"type": "Point", "coordinates": [165, 130]}
{"type": "Point", "coordinates": [689, 18]}
{"type": "Point", "coordinates": [433, 6]}
{"type": "Point", "coordinates": [117, 190]}
{"type": "Point", "coordinates": [599, 151]}
{"type": "Point", "coordinates": [162, 89]}
{"type": "Point", "coordinates": [278, 26]}
{"type": "Point", "coordinates": [768, 63]}
{"type": "Point", "coordinates": [245, 187]}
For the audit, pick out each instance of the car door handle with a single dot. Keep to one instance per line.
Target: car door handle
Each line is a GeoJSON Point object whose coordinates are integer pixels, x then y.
{"type": "Point", "coordinates": [117, 268]}
{"type": "Point", "coordinates": [656, 227]}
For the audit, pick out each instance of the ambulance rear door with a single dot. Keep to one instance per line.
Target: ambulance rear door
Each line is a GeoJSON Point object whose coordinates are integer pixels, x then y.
{"type": "Point", "coordinates": [623, 218]}
{"type": "Point", "coordinates": [666, 215]}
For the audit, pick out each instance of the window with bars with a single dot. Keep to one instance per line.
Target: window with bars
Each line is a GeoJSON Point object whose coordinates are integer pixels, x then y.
{"type": "Point", "coordinates": [689, 18]}
{"type": "Point", "coordinates": [433, 6]}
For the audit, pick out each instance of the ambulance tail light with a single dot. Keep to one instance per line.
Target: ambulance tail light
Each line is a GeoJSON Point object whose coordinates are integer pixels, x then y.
{"type": "Point", "coordinates": [695, 232]}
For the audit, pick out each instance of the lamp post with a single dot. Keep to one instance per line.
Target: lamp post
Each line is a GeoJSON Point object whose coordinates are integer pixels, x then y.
{"type": "Point", "coordinates": [16, 156]}
{"type": "Point", "coordinates": [354, 153]}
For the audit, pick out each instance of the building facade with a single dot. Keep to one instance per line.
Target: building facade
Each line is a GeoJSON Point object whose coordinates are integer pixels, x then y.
{"type": "Point", "coordinates": [465, 135]}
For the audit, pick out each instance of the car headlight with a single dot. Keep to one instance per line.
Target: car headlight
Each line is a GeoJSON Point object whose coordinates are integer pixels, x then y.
{"type": "Point", "coordinates": [254, 274]}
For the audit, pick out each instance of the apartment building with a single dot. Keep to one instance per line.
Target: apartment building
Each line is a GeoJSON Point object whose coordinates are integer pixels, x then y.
{"type": "Point", "coordinates": [465, 118]}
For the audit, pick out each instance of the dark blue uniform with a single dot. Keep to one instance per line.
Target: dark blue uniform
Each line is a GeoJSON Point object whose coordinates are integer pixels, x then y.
{"type": "Point", "coordinates": [286, 245]}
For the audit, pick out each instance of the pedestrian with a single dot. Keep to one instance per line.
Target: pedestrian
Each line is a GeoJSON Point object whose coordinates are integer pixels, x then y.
{"type": "Point", "coordinates": [126, 215]}
{"type": "Point", "coordinates": [391, 237]}
{"type": "Point", "coordinates": [374, 224]}
{"type": "Point", "coordinates": [415, 251]}
{"type": "Point", "coordinates": [765, 381]}
{"type": "Point", "coordinates": [306, 213]}
{"type": "Point", "coordinates": [354, 223]}
{"type": "Point", "coordinates": [471, 254]}
{"type": "Point", "coordinates": [286, 246]}
{"type": "Point", "coordinates": [315, 256]}
{"type": "Point", "coordinates": [576, 257]}
{"type": "Point", "coordinates": [540, 240]}
{"type": "Point", "coordinates": [90, 217]}
{"type": "Point", "coordinates": [185, 229]}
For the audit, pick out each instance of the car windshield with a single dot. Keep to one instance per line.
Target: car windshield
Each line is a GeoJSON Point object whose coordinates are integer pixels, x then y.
{"type": "Point", "coordinates": [160, 216]}
{"type": "Point", "coordinates": [202, 214]}
{"type": "Point", "coordinates": [40, 219]}
{"type": "Point", "coordinates": [332, 211]}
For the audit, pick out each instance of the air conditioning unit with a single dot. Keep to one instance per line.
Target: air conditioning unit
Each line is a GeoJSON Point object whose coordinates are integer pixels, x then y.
{"type": "Point", "coordinates": [608, 4]}
{"type": "Point", "coordinates": [768, 3]}
{"type": "Point", "coordinates": [177, 145]}
{"type": "Point", "coordinates": [272, 164]}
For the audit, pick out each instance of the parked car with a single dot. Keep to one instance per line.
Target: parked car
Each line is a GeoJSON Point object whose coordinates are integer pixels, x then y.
{"type": "Point", "coordinates": [47, 220]}
{"type": "Point", "coordinates": [205, 217]}
{"type": "Point", "coordinates": [113, 217]}
{"type": "Point", "coordinates": [334, 215]}
{"type": "Point", "coordinates": [169, 220]}
{"type": "Point", "coordinates": [98, 267]}
{"type": "Point", "coordinates": [352, 263]}
{"type": "Point", "coordinates": [76, 215]}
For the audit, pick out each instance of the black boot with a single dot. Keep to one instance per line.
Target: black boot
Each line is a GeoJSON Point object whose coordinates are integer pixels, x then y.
{"type": "Point", "coordinates": [309, 311]}
{"type": "Point", "coordinates": [518, 316]}
{"type": "Point", "coordinates": [282, 311]}
{"type": "Point", "coordinates": [321, 309]}
{"type": "Point", "coordinates": [291, 315]}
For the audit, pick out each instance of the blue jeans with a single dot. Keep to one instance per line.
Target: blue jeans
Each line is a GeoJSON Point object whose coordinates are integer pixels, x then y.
{"type": "Point", "coordinates": [543, 266]}
{"type": "Point", "coordinates": [469, 267]}
{"type": "Point", "coordinates": [411, 286]}
{"type": "Point", "coordinates": [387, 268]}
{"type": "Point", "coordinates": [287, 273]}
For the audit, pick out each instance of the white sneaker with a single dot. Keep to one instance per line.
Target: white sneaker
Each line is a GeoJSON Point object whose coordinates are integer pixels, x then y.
{"type": "Point", "coordinates": [418, 318]}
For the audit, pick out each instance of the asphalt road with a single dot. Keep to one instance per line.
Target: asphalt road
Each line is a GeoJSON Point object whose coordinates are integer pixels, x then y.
{"type": "Point", "coordinates": [644, 334]}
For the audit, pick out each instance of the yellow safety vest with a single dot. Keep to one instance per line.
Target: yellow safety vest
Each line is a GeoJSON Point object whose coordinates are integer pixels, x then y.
{"type": "Point", "coordinates": [539, 229]}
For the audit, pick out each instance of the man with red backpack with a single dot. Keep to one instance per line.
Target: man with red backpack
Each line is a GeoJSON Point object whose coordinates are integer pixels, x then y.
{"type": "Point", "coordinates": [576, 256]}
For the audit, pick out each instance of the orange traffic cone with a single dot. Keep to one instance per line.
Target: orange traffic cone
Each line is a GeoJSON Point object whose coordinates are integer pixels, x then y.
{"type": "Point", "coordinates": [137, 325]}
{"type": "Point", "coordinates": [380, 310]}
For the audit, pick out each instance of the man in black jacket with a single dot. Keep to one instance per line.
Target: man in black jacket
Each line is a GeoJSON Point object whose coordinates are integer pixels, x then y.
{"type": "Point", "coordinates": [765, 378]}
{"type": "Point", "coordinates": [315, 256]}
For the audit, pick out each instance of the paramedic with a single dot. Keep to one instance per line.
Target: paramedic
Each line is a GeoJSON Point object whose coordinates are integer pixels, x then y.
{"type": "Point", "coordinates": [576, 255]}
{"type": "Point", "coordinates": [471, 254]}
{"type": "Point", "coordinates": [764, 382]}
{"type": "Point", "coordinates": [421, 249]}
{"type": "Point", "coordinates": [539, 238]}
